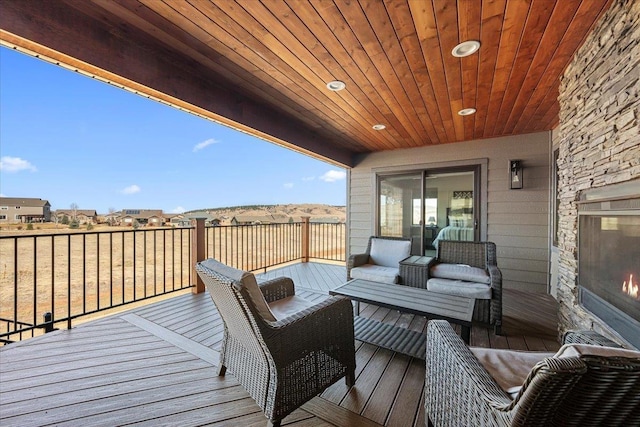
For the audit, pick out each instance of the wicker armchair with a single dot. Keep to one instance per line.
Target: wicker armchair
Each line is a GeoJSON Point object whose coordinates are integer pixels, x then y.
{"type": "Point", "coordinates": [585, 390]}
{"type": "Point", "coordinates": [283, 357]}
{"type": "Point", "coordinates": [481, 255]}
{"type": "Point", "coordinates": [382, 257]}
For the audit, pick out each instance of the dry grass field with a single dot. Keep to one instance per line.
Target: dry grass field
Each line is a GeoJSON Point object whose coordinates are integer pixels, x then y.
{"type": "Point", "coordinates": [98, 269]}
{"type": "Point", "coordinates": [72, 272]}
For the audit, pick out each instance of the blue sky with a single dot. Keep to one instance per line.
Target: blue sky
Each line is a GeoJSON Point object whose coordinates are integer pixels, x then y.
{"type": "Point", "coordinates": [67, 138]}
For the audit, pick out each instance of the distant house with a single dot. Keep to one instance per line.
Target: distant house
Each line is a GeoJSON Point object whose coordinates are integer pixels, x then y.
{"type": "Point", "coordinates": [246, 220]}
{"type": "Point", "coordinates": [260, 219]}
{"type": "Point", "coordinates": [172, 218]}
{"type": "Point", "coordinates": [184, 220]}
{"type": "Point", "coordinates": [112, 218]}
{"type": "Point", "coordinates": [83, 216]}
{"type": "Point", "coordinates": [155, 220]}
{"type": "Point", "coordinates": [23, 209]}
{"type": "Point", "coordinates": [151, 217]}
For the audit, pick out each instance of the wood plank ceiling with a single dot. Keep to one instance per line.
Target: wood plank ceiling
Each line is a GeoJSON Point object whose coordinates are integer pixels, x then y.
{"type": "Point", "coordinates": [394, 56]}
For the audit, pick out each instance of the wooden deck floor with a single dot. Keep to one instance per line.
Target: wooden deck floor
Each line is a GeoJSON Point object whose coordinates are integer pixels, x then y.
{"type": "Point", "coordinates": [155, 366]}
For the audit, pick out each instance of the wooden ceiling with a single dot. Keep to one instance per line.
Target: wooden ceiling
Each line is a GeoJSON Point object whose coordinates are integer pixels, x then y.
{"type": "Point", "coordinates": [262, 65]}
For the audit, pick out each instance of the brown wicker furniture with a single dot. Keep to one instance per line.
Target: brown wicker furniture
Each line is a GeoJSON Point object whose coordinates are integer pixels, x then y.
{"type": "Point", "coordinates": [282, 356]}
{"type": "Point", "coordinates": [585, 390]}
{"type": "Point", "coordinates": [407, 299]}
{"type": "Point", "coordinates": [480, 255]}
{"type": "Point", "coordinates": [381, 261]}
{"type": "Point", "coordinates": [414, 271]}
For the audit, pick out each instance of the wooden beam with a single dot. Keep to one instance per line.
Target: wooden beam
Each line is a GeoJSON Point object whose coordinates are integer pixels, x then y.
{"type": "Point", "coordinates": [198, 252]}
{"type": "Point", "coordinates": [130, 59]}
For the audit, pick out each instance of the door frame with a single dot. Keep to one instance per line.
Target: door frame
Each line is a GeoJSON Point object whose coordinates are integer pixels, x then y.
{"type": "Point", "coordinates": [480, 186]}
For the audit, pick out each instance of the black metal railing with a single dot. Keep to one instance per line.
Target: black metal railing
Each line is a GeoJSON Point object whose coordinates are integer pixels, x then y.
{"type": "Point", "coordinates": [76, 274]}
{"type": "Point", "coordinates": [327, 241]}
{"type": "Point", "coordinates": [70, 275]}
{"type": "Point", "coordinates": [261, 246]}
{"type": "Point", "coordinates": [254, 247]}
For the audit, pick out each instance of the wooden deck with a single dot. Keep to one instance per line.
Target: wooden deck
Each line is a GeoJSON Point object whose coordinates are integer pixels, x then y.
{"type": "Point", "coordinates": [155, 365]}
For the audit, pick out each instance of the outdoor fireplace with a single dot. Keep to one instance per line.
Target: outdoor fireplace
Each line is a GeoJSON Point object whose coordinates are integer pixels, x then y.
{"type": "Point", "coordinates": [609, 257]}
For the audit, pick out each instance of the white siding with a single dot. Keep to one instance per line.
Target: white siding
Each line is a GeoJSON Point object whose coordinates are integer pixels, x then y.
{"type": "Point", "coordinates": [517, 220]}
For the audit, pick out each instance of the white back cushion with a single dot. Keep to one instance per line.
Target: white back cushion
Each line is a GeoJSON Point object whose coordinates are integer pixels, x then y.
{"type": "Point", "coordinates": [389, 253]}
{"type": "Point", "coordinates": [573, 350]}
{"type": "Point", "coordinates": [246, 280]}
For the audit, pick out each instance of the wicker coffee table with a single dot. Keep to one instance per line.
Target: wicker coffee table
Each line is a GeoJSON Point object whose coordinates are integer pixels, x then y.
{"type": "Point", "coordinates": [433, 305]}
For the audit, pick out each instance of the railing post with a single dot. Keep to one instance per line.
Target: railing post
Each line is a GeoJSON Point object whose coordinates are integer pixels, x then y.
{"type": "Point", "coordinates": [198, 252]}
{"type": "Point", "coordinates": [305, 239]}
{"type": "Point", "coordinates": [48, 322]}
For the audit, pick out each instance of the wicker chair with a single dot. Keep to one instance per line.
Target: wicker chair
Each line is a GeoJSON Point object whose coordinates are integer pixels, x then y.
{"type": "Point", "coordinates": [560, 391]}
{"type": "Point", "coordinates": [391, 250]}
{"type": "Point", "coordinates": [481, 255]}
{"type": "Point", "coordinates": [281, 361]}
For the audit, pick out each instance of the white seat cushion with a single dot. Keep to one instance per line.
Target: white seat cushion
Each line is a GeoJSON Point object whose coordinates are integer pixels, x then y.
{"type": "Point", "coordinates": [388, 252]}
{"type": "Point", "coordinates": [285, 307]}
{"type": "Point", "coordinates": [376, 273]}
{"type": "Point", "coordinates": [459, 288]}
{"type": "Point", "coordinates": [460, 272]}
{"type": "Point", "coordinates": [508, 367]}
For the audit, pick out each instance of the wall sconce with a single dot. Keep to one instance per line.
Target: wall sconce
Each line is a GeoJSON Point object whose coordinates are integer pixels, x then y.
{"type": "Point", "coordinates": [515, 174]}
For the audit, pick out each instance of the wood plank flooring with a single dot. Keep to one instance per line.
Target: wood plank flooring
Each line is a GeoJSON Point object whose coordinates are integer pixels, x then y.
{"type": "Point", "coordinates": [155, 365]}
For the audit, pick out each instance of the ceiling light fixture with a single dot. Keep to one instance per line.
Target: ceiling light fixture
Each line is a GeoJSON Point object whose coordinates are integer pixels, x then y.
{"type": "Point", "coordinates": [336, 85]}
{"type": "Point", "coordinates": [379, 126]}
{"type": "Point", "coordinates": [466, 48]}
{"type": "Point", "coordinates": [467, 111]}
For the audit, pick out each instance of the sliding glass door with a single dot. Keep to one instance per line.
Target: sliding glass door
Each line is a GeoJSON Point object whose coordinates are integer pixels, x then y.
{"type": "Point", "coordinates": [455, 217]}
{"type": "Point", "coordinates": [398, 211]}
{"type": "Point", "coordinates": [428, 206]}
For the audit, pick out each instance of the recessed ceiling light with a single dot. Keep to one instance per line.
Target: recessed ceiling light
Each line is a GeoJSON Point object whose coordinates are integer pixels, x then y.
{"type": "Point", "coordinates": [467, 111]}
{"type": "Point", "coordinates": [378, 126]}
{"type": "Point", "coordinates": [336, 85]}
{"type": "Point", "coordinates": [466, 48]}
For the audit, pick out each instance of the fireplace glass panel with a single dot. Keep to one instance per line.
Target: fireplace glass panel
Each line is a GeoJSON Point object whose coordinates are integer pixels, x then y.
{"type": "Point", "coordinates": [609, 253]}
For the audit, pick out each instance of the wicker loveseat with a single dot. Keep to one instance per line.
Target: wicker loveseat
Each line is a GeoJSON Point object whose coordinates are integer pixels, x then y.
{"type": "Point", "coordinates": [381, 261]}
{"type": "Point", "coordinates": [470, 269]}
{"type": "Point", "coordinates": [581, 385]}
{"type": "Point", "coordinates": [281, 348]}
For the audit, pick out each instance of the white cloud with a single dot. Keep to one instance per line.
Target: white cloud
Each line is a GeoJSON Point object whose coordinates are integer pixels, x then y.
{"type": "Point", "coordinates": [132, 189]}
{"type": "Point", "coordinates": [308, 178]}
{"type": "Point", "coordinates": [333, 176]}
{"type": "Point", "coordinates": [15, 164]}
{"type": "Point", "coordinates": [204, 144]}
{"type": "Point", "coordinates": [178, 210]}
{"type": "Point", "coordinates": [288, 185]}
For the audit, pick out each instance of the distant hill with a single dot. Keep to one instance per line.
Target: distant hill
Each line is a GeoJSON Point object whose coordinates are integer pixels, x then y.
{"type": "Point", "coordinates": [315, 211]}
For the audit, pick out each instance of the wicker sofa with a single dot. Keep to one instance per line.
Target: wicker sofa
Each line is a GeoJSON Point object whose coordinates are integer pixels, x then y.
{"type": "Point", "coordinates": [381, 261]}
{"type": "Point", "coordinates": [580, 385]}
{"type": "Point", "coordinates": [470, 269]}
{"type": "Point", "coordinates": [281, 348]}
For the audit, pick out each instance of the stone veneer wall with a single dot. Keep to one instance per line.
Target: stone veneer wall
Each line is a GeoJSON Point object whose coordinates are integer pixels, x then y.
{"type": "Point", "coordinates": [599, 136]}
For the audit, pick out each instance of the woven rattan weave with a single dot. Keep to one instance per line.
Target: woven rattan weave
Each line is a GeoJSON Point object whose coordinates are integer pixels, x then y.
{"type": "Point", "coordinates": [285, 363]}
{"type": "Point", "coordinates": [482, 255]}
{"type": "Point", "coordinates": [569, 391]}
